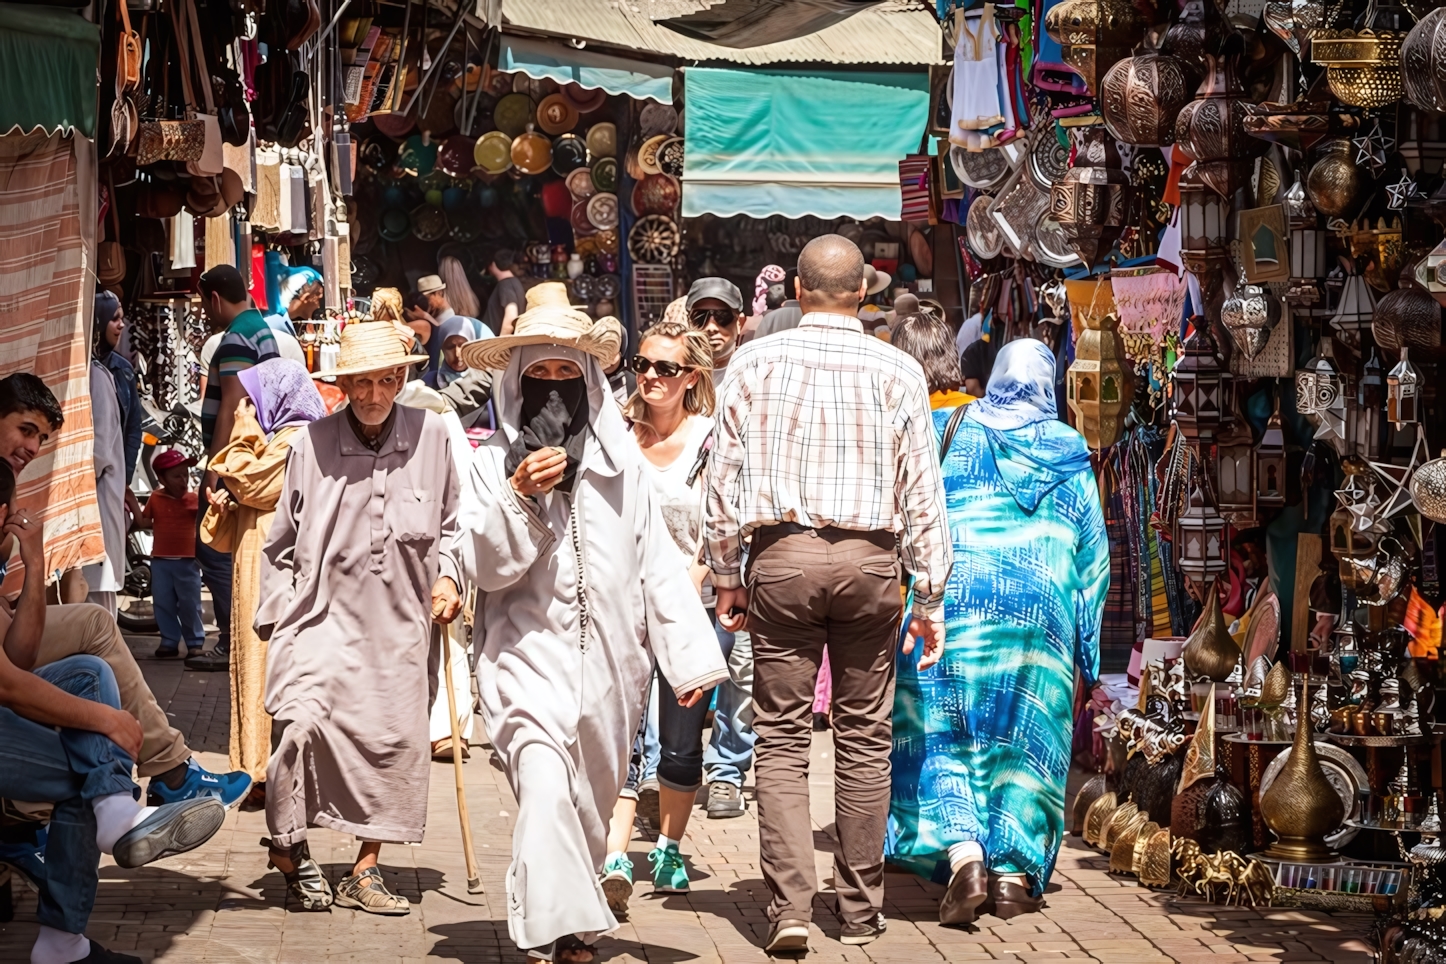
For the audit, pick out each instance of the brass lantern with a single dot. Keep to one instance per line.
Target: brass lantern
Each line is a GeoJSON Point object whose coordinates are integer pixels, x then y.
{"type": "Point", "coordinates": [1356, 526]}
{"type": "Point", "coordinates": [1270, 464]}
{"type": "Point", "coordinates": [1094, 35]}
{"type": "Point", "coordinates": [1141, 96]}
{"type": "Point", "coordinates": [1403, 392]}
{"type": "Point", "coordinates": [1211, 129]}
{"type": "Point", "coordinates": [1091, 202]}
{"type": "Point", "coordinates": [1100, 382]}
{"type": "Point", "coordinates": [1204, 216]}
{"type": "Point", "coordinates": [1423, 62]}
{"type": "Point", "coordinates": [1200, 386]}
{"type": "Point", "coordinates": [1236, 471]}
{"type": "Point", "coordinates": [1363, 66]}
{"type": "Point", "coordinates": [1203, 552]}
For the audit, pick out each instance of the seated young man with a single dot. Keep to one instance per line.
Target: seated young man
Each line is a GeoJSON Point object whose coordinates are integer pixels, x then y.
{"type": "Point", "coordinates": [65, 740]}
{"type": "Point", "coordinates": [29, 415]}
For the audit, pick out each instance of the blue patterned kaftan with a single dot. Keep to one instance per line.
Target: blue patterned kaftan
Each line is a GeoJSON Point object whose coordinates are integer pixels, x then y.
{"type": "Point", "coordinates": [982, 739]}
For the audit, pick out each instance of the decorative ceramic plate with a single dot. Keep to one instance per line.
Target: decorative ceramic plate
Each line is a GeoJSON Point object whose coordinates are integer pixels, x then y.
{"type": "Point", "coordinates": [582, 287]}
{"type": "Point", "coordinates": [586, 101]}
{"type": "Point", "coordinates": [581, 226]}
{"type": "Point", "coordinates": [532, 153]}
{"type": "Point", "coordinates": [1346, 776]}
{"type": "Point", "coordinates": [648, 154]}
{"type": "Point", "coordinates": [670, 157]}
{"type": "Point", "coordinates": [493, 152]}
{"type": "Point", "coordinates": [602, 211]}
{"type": "Point", "coordinates": [513, 113]}
{"type": "Point", "coordinates": [395, 125]}
{"type": "Point", "coordinates": [569, 154]}
{"type": "Point", "coordinates": [429, 223]}
{"type": "Point", "coordinates": [654, 240]}
{"type": "Point", "coordinates": [579, 183]}
{"type": "Point", "coordinates": [455, 157]}
{"type": "Point", "coordinates": [657, 119]}
{"type": "Point", "coordinates": [602, 140]}
{"type": "Point", "coordinates": [607, 287]}
{"type": "Point", "coordinates": [1048, 160]}
{"type": "Point", "coordinates": [605, 174]}
{"type": "Point", "coordinates": [980, 231]}
{"type": "Point", "coordinates": [556, 115]}
{"type": "Point", "coordinates": [656, 194]}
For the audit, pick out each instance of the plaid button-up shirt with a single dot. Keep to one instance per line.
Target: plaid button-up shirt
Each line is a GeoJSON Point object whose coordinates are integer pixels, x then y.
{"type": "Point", "coordinates": [824, 425]}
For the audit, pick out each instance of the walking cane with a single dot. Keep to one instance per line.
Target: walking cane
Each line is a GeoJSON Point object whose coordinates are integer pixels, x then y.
{"type": "Point", "coordinates": [474, 879]}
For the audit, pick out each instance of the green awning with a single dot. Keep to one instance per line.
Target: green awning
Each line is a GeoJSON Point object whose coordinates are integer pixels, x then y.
{"type": "Point", "coordinates": [799, 142]}
{"type": "Point", "coordinates": [49, 59]}
{"type": "Point", "coordinates": [586, 68]}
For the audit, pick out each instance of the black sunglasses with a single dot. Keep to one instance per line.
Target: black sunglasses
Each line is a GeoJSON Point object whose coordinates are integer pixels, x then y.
{"type": "Point", "coordinates": [722, 317]}
{"type": "Point", "coordinates": [640, 365]}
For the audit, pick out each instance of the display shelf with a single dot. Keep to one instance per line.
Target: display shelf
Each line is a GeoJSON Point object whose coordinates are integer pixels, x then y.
{"type": "Point", "coordinates": [1351, 739]}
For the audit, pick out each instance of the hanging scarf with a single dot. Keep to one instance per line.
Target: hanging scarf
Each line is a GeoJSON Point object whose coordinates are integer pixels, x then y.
{"type": "Point", "coordinates": [554, 415]}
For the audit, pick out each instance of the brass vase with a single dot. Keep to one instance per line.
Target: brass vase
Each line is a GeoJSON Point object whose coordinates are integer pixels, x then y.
{"type": "Point", "coordinates": [1301, 807]}
{"type": "Point", "coordinates": [1122, 850]}
{"type": "Point", "coordinates": [1406, 318]}
{"type": "Point", "coordinates": [1210, 652]}
{"type": "Point", "coordinates": [1334, 181]}
{"type": "Point", "coordinates": [1097, 816]}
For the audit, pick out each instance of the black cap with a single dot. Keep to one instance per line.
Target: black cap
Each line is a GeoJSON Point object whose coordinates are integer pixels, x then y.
{"type": "Point", "coordinates": [719, 288]}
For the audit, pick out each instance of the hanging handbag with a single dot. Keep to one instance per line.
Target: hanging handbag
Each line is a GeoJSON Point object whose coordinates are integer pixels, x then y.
{"type": "Point", "coordinates": [212, 161]}
{"type": "Point", "coordinates": [157, 138]}
{"type": "Point", "coordinates": [128, 54]}
{"type": "Point", "coordinates": [110, 256]}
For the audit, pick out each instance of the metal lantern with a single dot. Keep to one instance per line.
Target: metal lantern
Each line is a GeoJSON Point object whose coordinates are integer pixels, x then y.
{"type": "Point", "coordinates": [1200, 386]}
{"type": "Point", "coordinates": [1363, 67]}
{"type": "Point", "coordinates": [1355, 526]}
{"type": "Point", "coordinates": [1236, 473]}
{"type": "Point", "coordinates": [1091, 202]}
{"type": "Point", "coordinates": [1204, 220]}
{"type": "Point", "coordinates": [1203, 550]}
{"type": "Point", "coordinates": [1403, 392]}
{"type": "Point", "coordinates": [1307, 244]}
{"type": "Point", "coordinates": [1357, 307]}
{"type": "Point", "coordinates": [1100, 382]}
{"type": "Point", "coordinates": [1094, 35]}
{"type": "Point", "coordinates": [1370, 404]}
{"type": "Point", "coordinates": [1270, 464]}
{"type": "Point", "coordinates": [1210, 130]}
{"type": "Point", "coordinates": [1319, 393]}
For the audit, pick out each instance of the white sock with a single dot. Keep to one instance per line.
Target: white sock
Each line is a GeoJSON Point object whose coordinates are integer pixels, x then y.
{"type": "Point", "coordinates": [665, 842]}
{"type": "Point", "coordinates": [963, 853]}
{"type": "Point", "coordinates": [58, 947]}
{"type": "Point", "coordinates": [115, 815]}
{"type": "Point", "coordinates": [1019, 879]}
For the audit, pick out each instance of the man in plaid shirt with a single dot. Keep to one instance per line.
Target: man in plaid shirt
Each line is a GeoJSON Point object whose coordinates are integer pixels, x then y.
{"type": "Point", "coordinates": [824, 452]}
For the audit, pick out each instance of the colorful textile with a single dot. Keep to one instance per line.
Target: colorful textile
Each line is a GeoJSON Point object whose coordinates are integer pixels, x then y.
{"type": "Point", "coordinates": [47, 223]}
{"type": "Point", "coordinates": [248, 341]}
{"type": "Point", "coordinates": [982, 739]}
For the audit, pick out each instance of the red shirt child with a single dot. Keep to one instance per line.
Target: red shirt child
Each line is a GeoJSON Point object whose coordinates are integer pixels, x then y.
{"type": "Point", "coordinates": [171, 509]}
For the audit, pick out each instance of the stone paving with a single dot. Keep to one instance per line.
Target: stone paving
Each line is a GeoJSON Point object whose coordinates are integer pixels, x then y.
{"type": "Point", "coordinates": [221, 904]}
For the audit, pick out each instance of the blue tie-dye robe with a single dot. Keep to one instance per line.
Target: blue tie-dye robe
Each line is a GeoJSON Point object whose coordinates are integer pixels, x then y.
{"type": "Point", "coordinates": [982, 739]}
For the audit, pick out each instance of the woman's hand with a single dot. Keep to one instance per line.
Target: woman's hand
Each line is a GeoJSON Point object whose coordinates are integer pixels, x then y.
{"type": "Point", "coordinates": [245, 408]}
{"type": "Point", "coordinates": [220, 500]}
{"type": "Point", "coordinates": [691, 700]}
{"type": "Point", "coordinates": [539, 472]}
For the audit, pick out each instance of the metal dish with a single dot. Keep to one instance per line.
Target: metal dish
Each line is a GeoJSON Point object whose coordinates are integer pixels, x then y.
{"type": "Point", "coordinates": [980, 232]}
{"type": "Point", "coordinates": [1049, 244]}
{"type": "Point", "coordinates": [1341, 769]}
{"type": "Point", "coordinates": [654, 240]}
{"type": "Point", "coordinates": [657, 119]}
{"type": "Point", "coordinates": [979, 169]}
{"type": "Point", "coordinates": [1048, 160]}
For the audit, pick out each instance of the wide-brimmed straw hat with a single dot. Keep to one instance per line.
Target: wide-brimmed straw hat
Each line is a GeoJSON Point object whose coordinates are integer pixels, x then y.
{"type": "Point", "coordinates": [549, 320]}
{"type": "Point", "coordinates": [371, 346]}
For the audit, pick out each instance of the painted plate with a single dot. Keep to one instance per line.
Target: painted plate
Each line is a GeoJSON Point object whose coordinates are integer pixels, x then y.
{"type": "Point", "coordinates": [602, 211]}
{"type": "Point", "coordinates": [513, 113]}
{"type": "Point", "coordinates": [493, 152]}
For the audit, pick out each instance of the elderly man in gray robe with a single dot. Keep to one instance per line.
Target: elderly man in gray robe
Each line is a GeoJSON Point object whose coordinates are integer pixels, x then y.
{"type": "Point", "coordinates": [357, 566]}
{"type": "Point", "coordinates": [579, 591]}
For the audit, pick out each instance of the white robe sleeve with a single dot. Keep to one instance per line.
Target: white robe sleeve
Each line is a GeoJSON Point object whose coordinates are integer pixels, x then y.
{"type": "Point", "coordinates": [499, 538]}
{"type": "Point", "coordinates": [679, 633]}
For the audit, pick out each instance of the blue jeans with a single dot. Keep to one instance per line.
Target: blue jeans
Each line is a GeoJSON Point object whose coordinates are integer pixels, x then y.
{"type": "Point", "coordinates": [730, 750]}
{"type": "Point", "coordinates": [69, 768]}
{"type": "Point", "coordinates": [216, 572]}
{"type": "Point", "coordinates": [643, 764]}
{"type": "Point", "coordinates": [176, 594]}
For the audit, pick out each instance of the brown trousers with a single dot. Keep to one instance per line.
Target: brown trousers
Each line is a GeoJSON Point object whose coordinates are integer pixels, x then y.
{"type": "Point", "coordinates": [89, 629]}
{"type": "Point", "coordinates": [809, 588]}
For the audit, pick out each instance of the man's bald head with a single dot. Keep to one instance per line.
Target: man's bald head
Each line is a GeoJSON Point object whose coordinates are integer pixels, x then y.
{"type": "Point", "coordinates": [831, 275]}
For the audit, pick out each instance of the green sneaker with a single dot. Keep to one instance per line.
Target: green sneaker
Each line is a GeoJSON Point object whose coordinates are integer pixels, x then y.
{"type": "Point", "coordinates": [669, 875]}
{"type": "Point", "coordinates": [617, 883]}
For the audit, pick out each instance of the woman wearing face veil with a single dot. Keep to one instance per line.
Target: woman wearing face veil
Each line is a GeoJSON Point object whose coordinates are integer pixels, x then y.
{"type": "Point", "coordinates": [579, 591]}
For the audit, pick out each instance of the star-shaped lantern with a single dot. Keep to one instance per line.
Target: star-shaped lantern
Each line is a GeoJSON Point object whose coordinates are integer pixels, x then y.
{"type": "Point", "coordinates": [1372, 148]}
{"type": "Point", "coordinates": [1397, 478]}
{"type": "Point", "coordinates": [1400, 192]}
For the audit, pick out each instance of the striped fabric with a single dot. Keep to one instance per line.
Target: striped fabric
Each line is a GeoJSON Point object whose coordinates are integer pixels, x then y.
{"type": "Point", "coordinates": [45, 282]}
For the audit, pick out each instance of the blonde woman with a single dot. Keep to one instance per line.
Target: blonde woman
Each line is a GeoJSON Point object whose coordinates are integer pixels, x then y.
{"type": "Point", "coordinates": [671, 417]}
{"type": "Point", "coordinates": [459, 290]}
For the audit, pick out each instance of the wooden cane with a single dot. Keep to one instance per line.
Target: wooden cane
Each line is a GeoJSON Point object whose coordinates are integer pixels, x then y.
{"type": "Point", "coordinates": [474, 879]}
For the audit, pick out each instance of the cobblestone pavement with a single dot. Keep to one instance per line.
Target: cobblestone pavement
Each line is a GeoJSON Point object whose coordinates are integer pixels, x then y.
{"type": "Point", "coordinates": [221, 904]}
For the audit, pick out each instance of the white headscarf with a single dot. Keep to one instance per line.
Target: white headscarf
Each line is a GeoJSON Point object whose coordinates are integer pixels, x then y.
{"type": "Point", "coordinates": [604, 417]}
{"type": "Point", "coordinates": [1021, 387]}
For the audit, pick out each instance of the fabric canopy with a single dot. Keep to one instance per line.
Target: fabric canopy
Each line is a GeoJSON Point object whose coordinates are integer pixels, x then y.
{"type": "Point", "coordinates": [587, 69]}
{"type": "Point", "coordinates": [799, 143]}
{"type": "Point", "coordinates": [48, 63]}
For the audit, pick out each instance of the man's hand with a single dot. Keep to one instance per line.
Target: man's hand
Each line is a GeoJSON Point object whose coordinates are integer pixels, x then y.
{"type": "Point", "coordinates": [729, 600]}
{"type": "Point", "coordinates": [221, 500]}
{"type": "Point", "coordinates": [122, 729]}
{"type": "Point", "coordinates": [446, 603]}
{"type": "Point", "coordinates": [540, 472]}
{"type": "Point", "coordinates": [932, 633]}
{"type": "Point", "coordinates": [28, 530]}
{"type": "Point", "coordinates": [691, 699]}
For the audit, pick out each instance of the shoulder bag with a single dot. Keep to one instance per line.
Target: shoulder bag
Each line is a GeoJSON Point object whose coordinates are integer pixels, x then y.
{"type": "Point", "coordinates": [949, 432]}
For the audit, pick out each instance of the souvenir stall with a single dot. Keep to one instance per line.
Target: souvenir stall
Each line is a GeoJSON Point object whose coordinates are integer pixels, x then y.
{"type": "Point", "coordinates": [1233, 213]}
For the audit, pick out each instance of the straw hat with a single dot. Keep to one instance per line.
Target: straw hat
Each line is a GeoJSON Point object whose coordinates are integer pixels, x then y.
{"type": "Point", "coordinates": [549, 320]}
{"type": "Point", "coordinates": [371, 346]}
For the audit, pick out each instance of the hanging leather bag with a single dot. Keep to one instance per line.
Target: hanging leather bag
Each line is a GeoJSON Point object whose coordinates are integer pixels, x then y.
{"type": "Point", "coordinates": [157, 138]}
{"type": "Point", "coordinates": [193, 58]}
{"type": "Point", "coordinates": [128, 53]}
{"type": "Point", "coordinates": [110, 256]}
